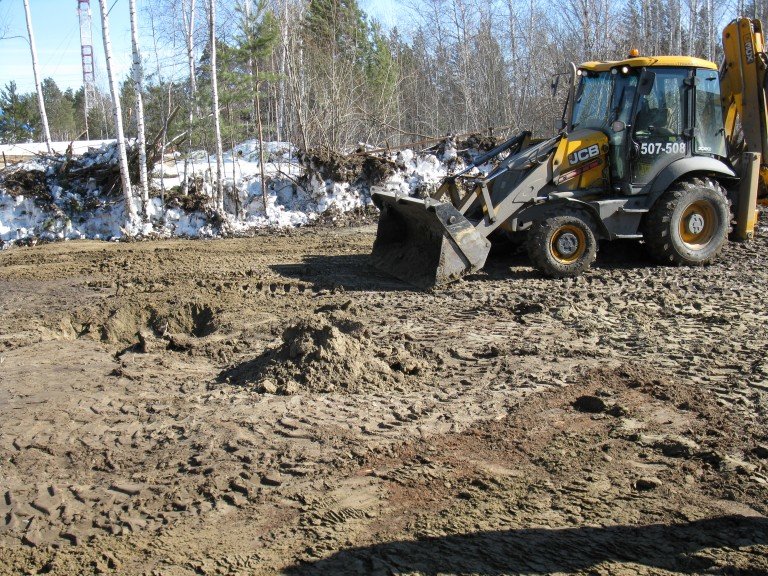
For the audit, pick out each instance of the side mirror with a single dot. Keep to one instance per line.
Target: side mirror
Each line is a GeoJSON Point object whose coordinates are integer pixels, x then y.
{"type": "Point", "coordinates": [555, 83]}
{"type": "Point", "coordinates": [646, 82]}
{"type": "Point", "coordinates": [558, 124]}
{"type": "Point", "coordinates": [618, 126]}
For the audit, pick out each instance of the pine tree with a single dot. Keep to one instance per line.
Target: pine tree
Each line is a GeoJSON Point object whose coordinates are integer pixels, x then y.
{"type": "Point", "coordinates": [258, 37]}
{"type": "Point", "coordinates": [17, 115]}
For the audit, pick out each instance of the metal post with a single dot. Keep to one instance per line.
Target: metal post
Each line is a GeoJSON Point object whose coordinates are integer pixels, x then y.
{"type": "Point", "coordinates": [86, 57]}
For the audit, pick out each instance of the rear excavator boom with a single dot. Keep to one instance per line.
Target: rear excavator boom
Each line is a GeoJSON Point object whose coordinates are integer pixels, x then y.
{"type": "Point", "coordinates": [743, 76]}
{"type": "Point", "coordinates": [643, 154]}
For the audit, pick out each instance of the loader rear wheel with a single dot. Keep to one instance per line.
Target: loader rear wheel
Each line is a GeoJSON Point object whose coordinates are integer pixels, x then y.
{"type": "Point", "coordinates": [562, 246]}
{"type": "Point", "coordinates": [689, 224]}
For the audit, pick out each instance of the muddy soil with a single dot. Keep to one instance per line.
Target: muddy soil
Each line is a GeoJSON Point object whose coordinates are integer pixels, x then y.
{"type": "Point", "coordinates": [274, 405]}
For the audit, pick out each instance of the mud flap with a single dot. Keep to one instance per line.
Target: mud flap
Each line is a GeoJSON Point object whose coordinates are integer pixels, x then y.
{"type": "Point", "coordinates": [425, 242]}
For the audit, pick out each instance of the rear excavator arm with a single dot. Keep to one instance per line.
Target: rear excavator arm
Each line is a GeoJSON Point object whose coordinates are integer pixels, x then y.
{"type": "Point", "coordinates": [743, 88]}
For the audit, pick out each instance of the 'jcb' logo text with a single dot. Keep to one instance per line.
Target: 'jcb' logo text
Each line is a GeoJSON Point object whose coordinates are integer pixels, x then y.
{"type": "Point", "coordinates": [749, 52]}
{"type": "Point", "coordinates": [583, 154]}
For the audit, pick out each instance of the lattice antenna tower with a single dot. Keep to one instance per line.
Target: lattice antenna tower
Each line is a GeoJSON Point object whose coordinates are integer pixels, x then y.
{"type": "Point", "coordinates": [86, 53]}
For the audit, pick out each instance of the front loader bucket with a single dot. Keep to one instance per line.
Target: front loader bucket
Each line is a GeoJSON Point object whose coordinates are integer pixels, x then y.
{"type": "Point", "coordinates": [425, 242]}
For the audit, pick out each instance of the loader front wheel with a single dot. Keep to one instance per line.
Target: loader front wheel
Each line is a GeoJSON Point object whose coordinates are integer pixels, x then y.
{"type": "Point", "coordinates": [562, 246]}
{"type": "Point", "coordinates": [689, 224]}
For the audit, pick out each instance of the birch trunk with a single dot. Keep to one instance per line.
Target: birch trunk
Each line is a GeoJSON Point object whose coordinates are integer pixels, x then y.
{"type": "Point", "coordinates": [692, 28]}
{"type": "Point", "coordinates": [189, 32]}
{"type": "Point", "coordinates": [138, 86]}
{"type": "Point", "coordinates": [261, 149]}
{"type": "Point", "coordinates": [38, 86]}
{"type": "Point", "coordinates": [282, 129]}
{"type": "Point", "coordinates": [247, 14]}
{"type": "Point", "coordinates": [216, 119]}
{"type": "Point", "coordinates": [130, 209]}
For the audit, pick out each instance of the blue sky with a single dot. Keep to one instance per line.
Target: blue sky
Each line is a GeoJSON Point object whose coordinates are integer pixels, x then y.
{"type": "Point", "coordinates": [57, 36]}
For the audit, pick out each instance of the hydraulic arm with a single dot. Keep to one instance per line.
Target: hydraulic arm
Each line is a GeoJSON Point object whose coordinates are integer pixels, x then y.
{"type": "Point", "coordinates": [743, 88]}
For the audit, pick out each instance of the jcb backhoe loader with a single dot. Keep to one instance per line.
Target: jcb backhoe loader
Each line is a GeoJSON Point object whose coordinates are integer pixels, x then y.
{"type": "Point", "coordinates": [648, 150]}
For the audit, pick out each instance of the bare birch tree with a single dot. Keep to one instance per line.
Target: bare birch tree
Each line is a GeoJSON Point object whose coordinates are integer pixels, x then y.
{"type": "Point", "coordinates": [188, 15]}
{"type": "Point", "coordinates": [130, 209]}
{"type": "Point", "coordinates": [38, 86]}
{"type": "Point", "coordinates": [335, 78]}
{"type": "Point", "coordinates": [139, 87]}
{"type": "Point", "coordinates": [216, 115]}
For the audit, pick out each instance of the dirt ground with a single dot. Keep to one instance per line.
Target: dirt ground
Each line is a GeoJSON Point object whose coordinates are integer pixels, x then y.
{"type": "Point", "coordinates": [273, 405]}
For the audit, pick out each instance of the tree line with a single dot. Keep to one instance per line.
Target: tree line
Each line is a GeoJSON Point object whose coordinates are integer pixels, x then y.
{"type": "Point", "coordinates": [323, 73]}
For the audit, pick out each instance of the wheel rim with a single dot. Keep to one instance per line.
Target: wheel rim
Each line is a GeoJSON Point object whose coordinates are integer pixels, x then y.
{"type": "Point", "coordinates": [698, 224]}
{"type": "Point", "coordinates": [568, 244]}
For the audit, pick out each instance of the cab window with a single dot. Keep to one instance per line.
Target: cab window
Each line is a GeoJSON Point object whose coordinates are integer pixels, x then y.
{"type": "Point", "coordinates": [661, 118]}
{"type": "Point", "coordinates": [709, 133]}
{"type": "Point", "coordinates": [661, 112]}
{"type": "Point", "coordinates": [592, 106]}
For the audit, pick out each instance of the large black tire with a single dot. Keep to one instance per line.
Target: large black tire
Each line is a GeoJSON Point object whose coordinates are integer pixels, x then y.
{"type": "Point", "coordinates": [689, 224]}
{"type": "Point", "coordinates": [562, 246]}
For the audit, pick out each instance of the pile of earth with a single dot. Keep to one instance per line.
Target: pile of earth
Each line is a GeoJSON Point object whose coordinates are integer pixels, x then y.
{"type": "Point", "coordinates": [479, 143]}
{"type": "Point", "coordinates": [467, 149]}
{"type": "Point", "coordinates": [97, 169]}
{"type": "Point", "coordinates": [22, 182]}
{"type": "Point", "coordinates": [336, 218]}
{"type": "Point", "coordinates": [356, 168]}
{"type": "Point", "coordinates": [328, 353]}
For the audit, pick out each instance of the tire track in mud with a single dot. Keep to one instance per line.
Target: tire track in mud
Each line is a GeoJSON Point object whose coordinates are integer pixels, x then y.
{"type": "Point", "coordinates": [139, 439]}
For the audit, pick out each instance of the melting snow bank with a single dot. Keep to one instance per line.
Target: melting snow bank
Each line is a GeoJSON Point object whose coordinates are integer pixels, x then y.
{"type": "Point", "coordinates": [60, 197]}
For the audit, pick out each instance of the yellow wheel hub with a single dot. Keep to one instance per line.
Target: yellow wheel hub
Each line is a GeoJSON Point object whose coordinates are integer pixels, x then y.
{"type": "Point", "coordinates": [568, 244]}
{"type": "Point", "coordinates": [698, 224]}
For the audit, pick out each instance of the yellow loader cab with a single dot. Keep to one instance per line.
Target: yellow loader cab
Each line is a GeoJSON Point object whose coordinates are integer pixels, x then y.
{"type": "Point", "coordinates": [642, 153]}
{"type": "Point", "coordinates": [603, 120]}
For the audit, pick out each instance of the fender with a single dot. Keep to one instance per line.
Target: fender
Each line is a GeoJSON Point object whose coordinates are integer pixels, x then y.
{"type": "Point", "coordinates": [555, 208]}
{"type": "Point", "coordinates": [679, 168]}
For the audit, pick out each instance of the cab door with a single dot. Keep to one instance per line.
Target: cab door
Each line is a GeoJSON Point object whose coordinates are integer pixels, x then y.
{"type": "Point", "coordinates": [662, 127]}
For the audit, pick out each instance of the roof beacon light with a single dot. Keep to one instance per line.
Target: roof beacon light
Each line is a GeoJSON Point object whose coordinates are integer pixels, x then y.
{"type": "Point", "coordinates": [634, 53]}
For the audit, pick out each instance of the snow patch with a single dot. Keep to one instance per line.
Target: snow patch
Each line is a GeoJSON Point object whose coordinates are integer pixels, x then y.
{"type": "Point", "coordinates": [294, 197]}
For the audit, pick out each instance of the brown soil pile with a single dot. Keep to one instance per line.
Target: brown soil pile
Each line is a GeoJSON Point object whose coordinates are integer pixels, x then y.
{"type": "Point", "coordinates": [97, 168]}
{"type": "Point", "coordinates": [325, 354]}
{"type": "Point", "coordinates": [353, 168]}
{"type": "Point", "coordinates": [467, 149]}
{"type": "Point", "coordinates": [195, 200]}
{"type": "Point", "coordinates": [479, 143]}
{"type": "Point", "coordinates": [23, 182]}
{"type": "Point", "coordinates": [335, 218]}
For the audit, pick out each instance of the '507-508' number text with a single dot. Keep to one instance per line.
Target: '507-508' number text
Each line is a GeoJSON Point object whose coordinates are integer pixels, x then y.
{"type": "Point", "coordinates": [652, 148]}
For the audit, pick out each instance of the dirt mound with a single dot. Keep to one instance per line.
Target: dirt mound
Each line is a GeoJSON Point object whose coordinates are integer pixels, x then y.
{"type": "Point", "coordinates": [468, 149]}
{"type": "Point", "coordinates": [23, 182]}
{"type": "Point", "coordinates": [327, 354]}
{"type": "Point", "coordinates": [352, 168]}
{"type": "Point", "coordinates": [129, 323]}
{"type": "Point", "coordinates": [479, 143]}
{"type": "Point", "coordinates": [336, 218]}
{"type": "Point", "coordinates": [194, 200]}
{"type": "Point", "coordinates": [97, 168]}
